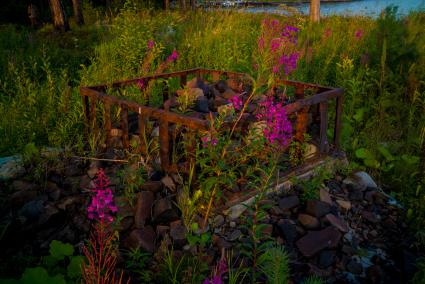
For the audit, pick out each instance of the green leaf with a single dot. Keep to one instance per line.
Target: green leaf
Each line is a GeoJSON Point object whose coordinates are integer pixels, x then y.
{"type": "Point", "coordinates": [39, 275]}
{"type": "Point", "coordinates": [371, 163]}
{"type": "Point", "coordinates": [74, 267]}
{"type": "Point", "coordinates": [358, 116]}
{"type": "Point", "coordinates": [362, 153]}
{"type": "Point", "coordinates": [387, 155]}
{"type": "Point", "coordinates": [194, 227]}
{"type": "Point", "coordinates": [49, 261]}
{"type": "Point", "coordinates": [59, 250]}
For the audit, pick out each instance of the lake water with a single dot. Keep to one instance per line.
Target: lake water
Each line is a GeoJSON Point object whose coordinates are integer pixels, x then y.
{"type": "Point", "coordinates": [360, 7]}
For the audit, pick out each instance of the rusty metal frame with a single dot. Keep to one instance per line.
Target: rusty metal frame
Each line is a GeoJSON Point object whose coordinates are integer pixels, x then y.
{"type": "Point", "coordinates": [93, 95]}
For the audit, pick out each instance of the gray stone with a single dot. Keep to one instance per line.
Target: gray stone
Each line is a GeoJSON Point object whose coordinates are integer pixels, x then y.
{"type": "Point", "coordinates": [309, 222]}
{"type": "Point", "coordinates": [234, 235]}
{"type": "Point", "coordinates": [316, 241]}
{"type": "Point", "coordinates": [365, 179]}
{"type": "Point", "coordinates": [326, 258]}
{"type": "Point", "coordinates": [11, 167]}
{"type": "Point", "coordinates": [202, 104]}
{"type": "Point", "coordinates": [218, 221]}
{"type": "Point", "coordinates": [287, 230]}
{"type": "Point", "coordinates": [19, 198]}
{"type": "Point", "coordinates": [354, 267]}
{"type": "Point", "coordinates": [288, 203]}
{"type": "Point", "coordinates": [236, 211]}
{"type": "Point", "coordinates": [317, 208]}
{"type": "Point", "coordinates": [93, 169]}
{"type": "Point", "coordinates": [32, 210]}
{"type": "Point", "coordinates": [144, 204]}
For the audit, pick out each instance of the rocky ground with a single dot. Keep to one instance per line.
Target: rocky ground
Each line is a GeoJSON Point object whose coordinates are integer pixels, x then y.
{"type": "Point", "coordinates": [354, 233]}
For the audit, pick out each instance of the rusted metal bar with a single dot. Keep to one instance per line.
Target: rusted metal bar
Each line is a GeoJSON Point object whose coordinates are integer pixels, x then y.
{"type": "Point", "coordinates": [215, 76]}
{"type": "Point", "coordinates": [124, 126]}
{"type": "Point", "coordinates": [142, 133]}
{"type": "Point", "coordinates": [164, 144]}
{"type": "Point", "coordinates": [108, 122]}
{"type": "Point", "coordinates": [93, 101]}
{"type": "Point", "coordinates": [315, 99]}
{"type": "Point", "coordinates": [338, 116]}
{"type": "Point", "coordinates": [183, 80]}
{"type": "Point", "coordinates": [324, 144]}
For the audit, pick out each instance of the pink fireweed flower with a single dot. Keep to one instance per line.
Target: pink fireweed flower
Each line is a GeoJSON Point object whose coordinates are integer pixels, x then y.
{"type": "Point", "coordinates": [140, 84]}
{"type": "Point", "coordinates": [102, 204]}
{"type": "Point", "coordinates": [219, 271]}
{"type": "Point", "coordinates": [209, 140]}
{"type": "Point", "coordinates": [274, 44]}
{"type": "Point", "coordinates": [173, 56]}
{"type": "Point", "coordinates": [358, 34]}
{"type": "Point", "coordinates": [275, 69]}
{"type": "Point", "coordinates": [260, 43]}
{"type": "Point", "coordinates": [327, 33]}
{"type": "Point", "coordinates": [150, 44]}
{"type": "Point", "coordinates": [279, 128]}
{"type": "Point", "coordinates": [290, 33]}
{"type": "Point", "coordinates": [237, 102]}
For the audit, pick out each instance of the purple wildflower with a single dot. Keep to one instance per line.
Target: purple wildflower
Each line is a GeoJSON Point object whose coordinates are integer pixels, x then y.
{"type": "Point", "coordinates": [102, 204]}
{"type": "Point", "coordinates": [274, 44]}
{"type": "Point", "coordinates": [275, 69]}
{"type": "Point", "coordinates": [358, 34]}
{"type": "Point", "coordinates": [209, 140]}
{"type": "Point", "coordinates": [290, 32]}
{"type": "Point", "coordinates": [173, 56]}
{"type": "Point", "coordinates": [327, 33]}
{"type": "Point", "coordinates": [151, 44]}
{"type": "Point", "coordinates": [261, 43]}
{"type": "Point", "coordinates": [219, 270]}
{"type": "Point", "coordinates": [140, 84]}
{"type": "Point", "coordinates": [279, 128]}
{"type": "Point", "coordinates": [237, 102]}
{"type": "Point", "coordinates": [289, 62]}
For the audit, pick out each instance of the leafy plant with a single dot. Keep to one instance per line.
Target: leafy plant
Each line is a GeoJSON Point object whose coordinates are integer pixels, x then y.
{"type": "Point", "coordinates": [313, 280]}
{"type": "Point", "coordinates": [274, 263]}
{"type": "Point", "coordinates": [137, 262]}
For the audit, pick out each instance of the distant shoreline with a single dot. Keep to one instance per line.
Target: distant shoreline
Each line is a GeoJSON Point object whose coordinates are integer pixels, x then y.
{"type": "Point", "coordinates": [267, 3]}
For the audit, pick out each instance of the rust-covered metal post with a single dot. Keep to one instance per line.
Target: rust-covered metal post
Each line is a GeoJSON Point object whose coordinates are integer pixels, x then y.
{"type": "Point", "coordinates": [315, 11]}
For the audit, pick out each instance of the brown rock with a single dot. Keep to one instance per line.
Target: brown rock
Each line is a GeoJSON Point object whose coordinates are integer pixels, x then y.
{"type": "Point", "coordinates": [141, 238]}
{"type": "Point", "coordinates": [154, 186]}
{"type": "Point", "coordinates": [325, 196]}
{"type": "Point", "coordinates": [316, 241]}
{"type": "Point", "coordinates": [228, 93]}
{"type": "Point", "coordinates": [234, 85]}
{"type": "Point", "coordinates": [163, 211]}
{"type": "Point", "coordinates": [345, 205]}
{"type": "Point", "coordinates": [162, 230]}
{"type": "Point", "coordinates": [370, 216]}
{"type": "Point", "coordinates": [169, 183]}
{"type": "Point", "coordinates": [308, 222]}
{"type": "Point", "coordinates": [178, 232]}
{"type": "Point", "coordinates": [221, 243]}
{"type": "Point", "coordinates": [337, 222]}
{"type": "Point", "coordinates": [19, 198]}
{"type": "Point", "coordinates": [124, 207]}
{"type": "Point", "coordinates": [19, 185]}
{"type": "Point", "coordinates": [317, 208]}
{"type": "Point", "coordinates": [145, 200]}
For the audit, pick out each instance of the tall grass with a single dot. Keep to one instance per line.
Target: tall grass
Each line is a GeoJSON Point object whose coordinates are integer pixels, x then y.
{"type": "Point", "coordinates": [380, 63]}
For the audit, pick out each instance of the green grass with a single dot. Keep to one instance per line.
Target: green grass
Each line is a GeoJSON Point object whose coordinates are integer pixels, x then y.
{"type": "Point", "coordinates": [382, 72]}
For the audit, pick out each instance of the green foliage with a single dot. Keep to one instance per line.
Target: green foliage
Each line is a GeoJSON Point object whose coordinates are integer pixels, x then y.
{"type": "Point", "coordinates": [137, 262]}
{"type": "Point", "coordinates": [274, 263]}
{"type": "Point", "coordinates": [313, 280]}
{"type": "Point", "coordinates": [311, 186]}
{"type": "Point", "coordinates": [195, 236]}
{"type": "Point", "coordinates": [60, 263]}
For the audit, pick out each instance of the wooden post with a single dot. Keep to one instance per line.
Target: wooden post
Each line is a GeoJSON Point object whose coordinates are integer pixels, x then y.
{"type": "Point", "coordinates": [124, 126]}
{"type": "Point", "coordinates": [193, 4]}
{"type": "Point", "coordinates": [78, 12]}
{"type": "Point", "coordinates": [166, 5]}
{"type": "Point", "coordinates": [164, 144]}
{"type": "Point", "coordinates": [315, 11]}
{"type": "Point", "coordinates": [182, 4]}
{"type": "Point", "coordinates": [58, 14]}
